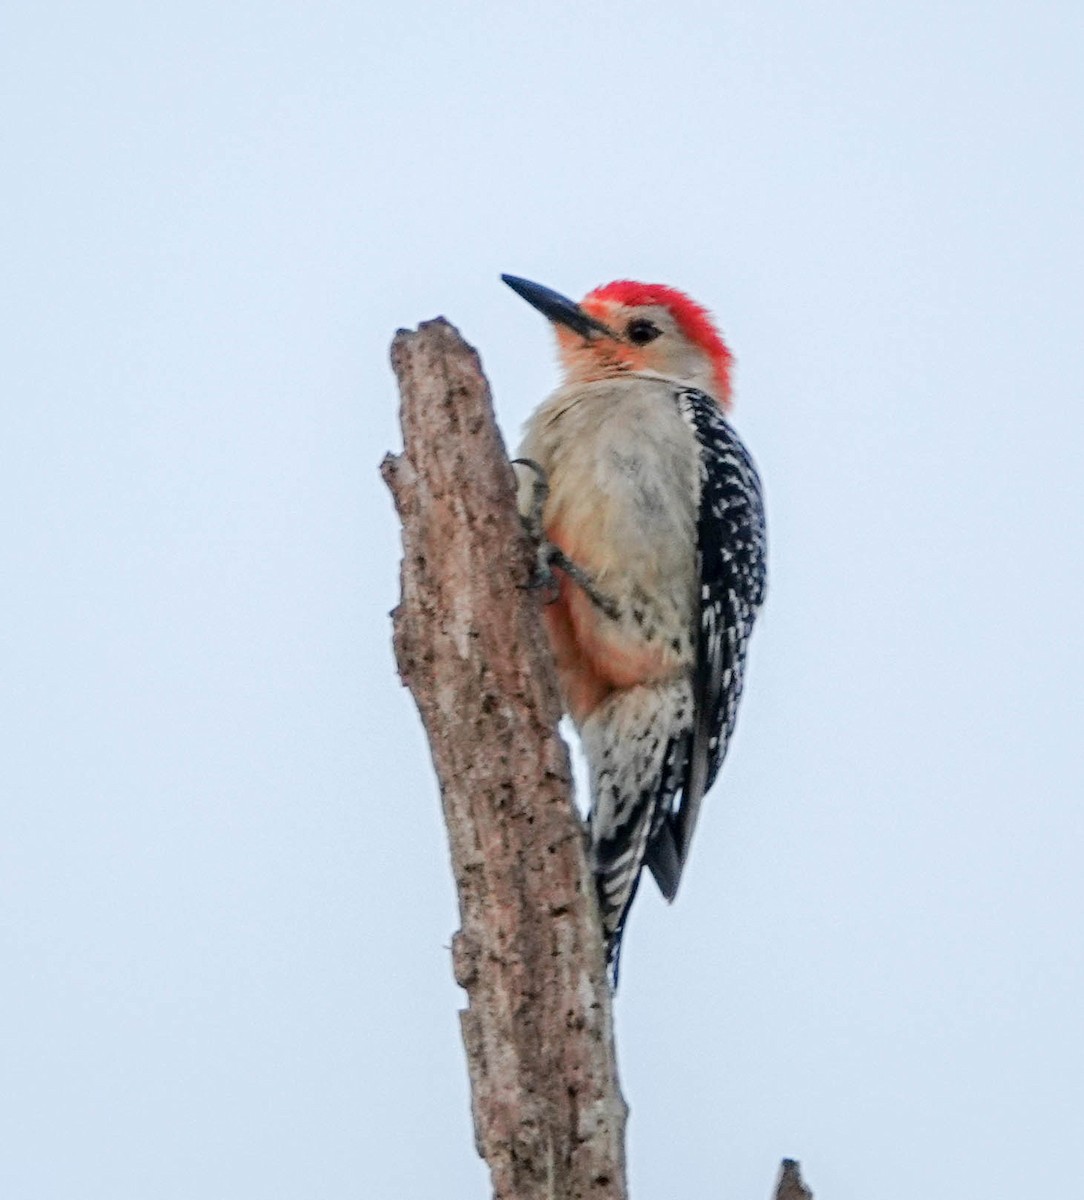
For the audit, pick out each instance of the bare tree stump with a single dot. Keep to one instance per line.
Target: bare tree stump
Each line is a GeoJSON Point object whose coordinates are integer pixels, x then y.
{"type": "Point", "coordinates": [549, 1117]}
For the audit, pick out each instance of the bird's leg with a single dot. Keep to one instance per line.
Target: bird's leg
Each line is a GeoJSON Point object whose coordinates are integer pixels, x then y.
{"type": "Point", "coordinates": [531, 507]}
{"type": "Point", "coordinates": [530, 513]}
{"type": "Point", "coordinates": [551, 555]}
{"type": "Point", "coordinates": [557, 558]}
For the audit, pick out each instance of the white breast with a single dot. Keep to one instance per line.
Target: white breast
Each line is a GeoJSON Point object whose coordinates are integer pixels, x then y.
{"type": "Point", "coordinates": [623, 472]}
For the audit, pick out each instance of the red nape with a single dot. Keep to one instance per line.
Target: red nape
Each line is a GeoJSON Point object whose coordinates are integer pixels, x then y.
{"type": "Point", "coordinates": [694, 319]}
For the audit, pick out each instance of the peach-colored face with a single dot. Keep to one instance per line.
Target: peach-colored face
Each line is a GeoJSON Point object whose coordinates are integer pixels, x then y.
{"type": "Point", "coordinates": [647, 340]}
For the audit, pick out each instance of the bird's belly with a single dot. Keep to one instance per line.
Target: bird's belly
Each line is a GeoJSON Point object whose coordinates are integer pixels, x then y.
{"type": "Point", "coordinates": [639, 556]}
{"type": "Point", "coordinates": [623, 474]}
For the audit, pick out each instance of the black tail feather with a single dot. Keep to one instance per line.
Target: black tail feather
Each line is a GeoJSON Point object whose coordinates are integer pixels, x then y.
{"type": "Point", "coordinates": [664, 861]}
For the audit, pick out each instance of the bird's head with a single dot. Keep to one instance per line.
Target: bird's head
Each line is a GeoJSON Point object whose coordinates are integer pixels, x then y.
{"type": "Point", "coordinates": [634, 328]}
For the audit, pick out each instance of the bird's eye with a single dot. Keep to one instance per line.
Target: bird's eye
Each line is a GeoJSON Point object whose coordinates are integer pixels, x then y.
{"type": "Point", "coordinates": [642, 331]}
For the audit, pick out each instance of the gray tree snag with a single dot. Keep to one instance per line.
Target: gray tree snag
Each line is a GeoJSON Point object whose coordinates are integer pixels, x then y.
{"type": "Point", "coordinates": [549, 1117]}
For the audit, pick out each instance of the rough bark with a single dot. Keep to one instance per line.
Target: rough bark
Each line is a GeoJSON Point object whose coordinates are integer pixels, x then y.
{"type": "Point", "coordinates": [549, 1117]}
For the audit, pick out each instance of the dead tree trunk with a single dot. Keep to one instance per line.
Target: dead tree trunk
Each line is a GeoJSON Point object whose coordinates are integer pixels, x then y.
{"type": "Point", "coordinates": [549, 1117]}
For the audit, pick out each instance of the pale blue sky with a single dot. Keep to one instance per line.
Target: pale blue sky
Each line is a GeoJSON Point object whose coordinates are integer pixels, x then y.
{"type": "Point", "coordinates": [225, 902]}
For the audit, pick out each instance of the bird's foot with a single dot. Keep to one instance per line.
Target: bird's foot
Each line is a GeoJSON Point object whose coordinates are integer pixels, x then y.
{"type": "Point", "coordinates": [557, 558]}
{"type": "Point", "coordinates": [531, 506]}
{"type": "Point", "coordinates": [549, 555]}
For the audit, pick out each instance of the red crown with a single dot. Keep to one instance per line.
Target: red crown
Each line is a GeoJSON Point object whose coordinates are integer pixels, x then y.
{"type": "Point", "coordinates": [693, 319]}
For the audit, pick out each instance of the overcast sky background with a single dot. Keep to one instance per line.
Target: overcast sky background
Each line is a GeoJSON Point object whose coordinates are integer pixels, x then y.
{"type": "Point", "coordinates": [224, 888]}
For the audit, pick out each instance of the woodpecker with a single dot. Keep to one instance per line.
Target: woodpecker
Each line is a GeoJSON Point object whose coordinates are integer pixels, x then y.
{"type": "Point", "coordinates": [650, 520]}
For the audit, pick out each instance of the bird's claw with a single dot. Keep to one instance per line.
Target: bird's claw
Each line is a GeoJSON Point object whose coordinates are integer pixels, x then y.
{"type": "Point", "coordinates": [551, 555]}
{"type": "Point", "coordinates": [540, 490]}
{"type": "Point", "coordinates": [543, 579]}
{"type": "Point", "coordinates": [542, 576]}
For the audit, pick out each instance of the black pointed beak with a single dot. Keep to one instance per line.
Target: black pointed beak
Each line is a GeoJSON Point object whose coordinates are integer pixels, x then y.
{"type": "Point", "coordinates": [557, 308]}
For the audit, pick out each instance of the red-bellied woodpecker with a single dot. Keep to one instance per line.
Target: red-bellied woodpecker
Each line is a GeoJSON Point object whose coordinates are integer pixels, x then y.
{"type": "Point", "coordinates": [649, 507]}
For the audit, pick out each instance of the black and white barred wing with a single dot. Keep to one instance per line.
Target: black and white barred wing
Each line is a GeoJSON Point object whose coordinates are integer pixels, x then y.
{"type": "Point", "coordinates": [731, 549]}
